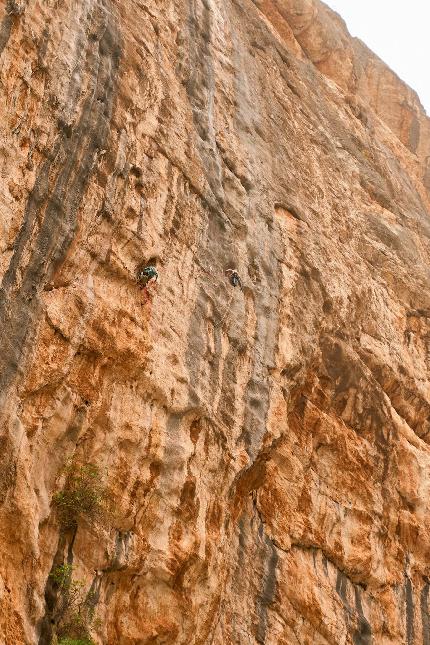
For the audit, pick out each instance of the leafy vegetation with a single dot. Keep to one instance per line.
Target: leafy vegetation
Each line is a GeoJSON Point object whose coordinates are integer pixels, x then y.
{"type": "Point", "coordinates": [83, 495]}
{"type": "Point", "coordinates": [75, 641]}
{"type": "Point", "coordinates": [62, 575]}
{"type": "Point", "coordinates": [76, 611]}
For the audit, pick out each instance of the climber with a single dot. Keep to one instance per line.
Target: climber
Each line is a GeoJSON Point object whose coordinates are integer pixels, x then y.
{"type": "Point", "coordinates": [234, 277]}
{"type": "Point", "coordinates": [147, 276]}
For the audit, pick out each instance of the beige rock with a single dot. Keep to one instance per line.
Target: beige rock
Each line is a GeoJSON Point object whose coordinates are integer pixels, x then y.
{"type": "Point", "coordinates": [265, 449]}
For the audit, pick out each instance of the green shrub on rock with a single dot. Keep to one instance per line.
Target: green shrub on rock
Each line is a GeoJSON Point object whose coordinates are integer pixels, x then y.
{"type": "Point", "coordinates": [76, 609]}
{"type": "Point", "coordinates": [76, 641]}
{"type": "Point", "coordinates": [83, 495]}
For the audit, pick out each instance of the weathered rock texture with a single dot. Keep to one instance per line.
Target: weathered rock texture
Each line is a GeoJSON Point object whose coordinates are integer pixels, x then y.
{"type": "Point", "coordinates": [266, 449]}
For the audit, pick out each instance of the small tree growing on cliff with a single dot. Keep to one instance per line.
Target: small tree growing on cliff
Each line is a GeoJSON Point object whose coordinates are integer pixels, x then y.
{"type": "Point", "coordinates": [83, 495]}
{"type": "Point", "coordinates": [76, 611]}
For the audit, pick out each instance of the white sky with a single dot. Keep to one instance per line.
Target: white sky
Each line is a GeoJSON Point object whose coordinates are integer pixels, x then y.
{"type": "Point", "coordinates": [396, 30]}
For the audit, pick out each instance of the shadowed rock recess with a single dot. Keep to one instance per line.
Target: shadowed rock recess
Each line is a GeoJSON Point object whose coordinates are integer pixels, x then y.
{"type": "Point", "coordinates": [261, 451]}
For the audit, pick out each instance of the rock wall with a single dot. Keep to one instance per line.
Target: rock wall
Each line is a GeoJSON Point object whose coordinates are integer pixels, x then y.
{"type": "Point", "coordinates": [265, 448]}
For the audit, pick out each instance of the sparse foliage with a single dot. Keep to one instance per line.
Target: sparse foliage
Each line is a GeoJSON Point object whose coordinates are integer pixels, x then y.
{"type": "Point", "coordinates": [62, 575]}
{"type": "Point", "coordinates": [76, 641]}
{"type": "Point", "coordinates": [83, 495]}
{"type": "Point", "coordinates": [76, 610]}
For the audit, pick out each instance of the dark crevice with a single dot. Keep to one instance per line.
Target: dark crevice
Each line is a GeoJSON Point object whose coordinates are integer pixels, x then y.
{"type": "Point", "coordinates": [53, 608]}
{"type": "Point", "coordinates": [270, 559]}
{"type": "Point", "coordinates": [409, 612]}
{"type": "Point", "coordinates": [268, 591]}
{"type": "Point", "coordinates": [425, 619]}
{"type": "Point", "coordinates": [355, 620]}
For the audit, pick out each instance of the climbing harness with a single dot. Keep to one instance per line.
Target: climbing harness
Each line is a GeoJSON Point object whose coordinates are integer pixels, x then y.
{"type": "Point", "coordinates": [234, 278]}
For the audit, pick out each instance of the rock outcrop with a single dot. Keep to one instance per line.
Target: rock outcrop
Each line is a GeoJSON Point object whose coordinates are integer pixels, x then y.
{"type": "Point", "coordinates": [264, 447]}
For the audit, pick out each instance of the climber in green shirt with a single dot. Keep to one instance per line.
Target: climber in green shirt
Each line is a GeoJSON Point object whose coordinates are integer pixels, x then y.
{"type": "Point", "coordinates": [147, 275]}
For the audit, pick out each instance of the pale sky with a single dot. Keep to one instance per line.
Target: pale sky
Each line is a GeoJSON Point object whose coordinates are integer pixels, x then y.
{"type": "Point", "coordinates": [396, 30]}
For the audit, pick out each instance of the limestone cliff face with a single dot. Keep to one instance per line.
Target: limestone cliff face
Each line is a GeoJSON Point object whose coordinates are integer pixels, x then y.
{"type": "Point", "coordinates": [266, 449]}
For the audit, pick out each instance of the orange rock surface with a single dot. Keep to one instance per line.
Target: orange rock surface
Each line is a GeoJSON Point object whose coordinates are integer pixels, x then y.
{"type": "Point", "coordinates": [265, 448]}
